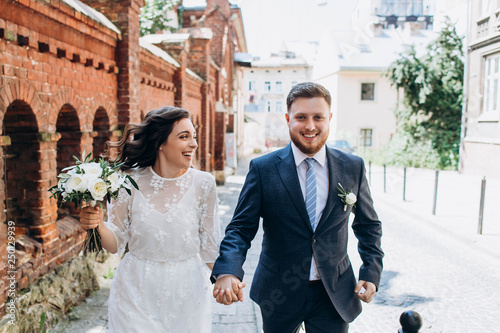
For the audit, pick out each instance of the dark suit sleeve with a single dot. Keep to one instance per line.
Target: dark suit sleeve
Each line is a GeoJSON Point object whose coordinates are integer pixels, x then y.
{"type": "Point", "coordinates": [242, 229]}
{"type": "Point", "coordinates": [368, 230]}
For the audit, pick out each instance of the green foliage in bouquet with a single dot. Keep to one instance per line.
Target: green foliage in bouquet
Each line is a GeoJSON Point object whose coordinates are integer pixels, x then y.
{"type": "Point", "coordinates": [91, 182]}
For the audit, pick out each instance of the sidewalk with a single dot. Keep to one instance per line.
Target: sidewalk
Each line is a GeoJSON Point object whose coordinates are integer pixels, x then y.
{"type": "Point", "coordinates": [456, 221]}
{"type": "Point", "coordinates": [457, 206]}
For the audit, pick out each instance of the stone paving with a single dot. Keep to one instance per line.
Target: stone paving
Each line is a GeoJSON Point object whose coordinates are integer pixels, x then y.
{"type": "Point", "coordinates": [436, 265]}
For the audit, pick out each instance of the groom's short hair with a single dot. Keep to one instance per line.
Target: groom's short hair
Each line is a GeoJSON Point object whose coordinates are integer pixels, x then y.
{"type": "Point", "coordinates": [308, 90]}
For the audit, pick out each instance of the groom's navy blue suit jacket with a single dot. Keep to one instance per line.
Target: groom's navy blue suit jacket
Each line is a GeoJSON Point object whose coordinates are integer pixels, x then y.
{"type": "Point", "coordinates": [272, 192]}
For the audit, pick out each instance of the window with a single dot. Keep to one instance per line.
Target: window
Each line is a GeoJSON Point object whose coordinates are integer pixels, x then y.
{"type": "Point", "coordinates": [267, 86]}
{"type": "Point", "coordinates": [268, 106]}
{"type": "Point", "coordinates": [251, 85]}
{"type": "Point", "coordinates": [279, 107]}
{"type": "Point", "coordinates": [367, 91]}
{"type": "Point", "coordinates": [482, 27]}
{"type": "Point", "coordinates": [365, 137]}
{"type": "Point", "coordinates": [491, 84]}
{"type": "Point", "coordinates": [279, 87]}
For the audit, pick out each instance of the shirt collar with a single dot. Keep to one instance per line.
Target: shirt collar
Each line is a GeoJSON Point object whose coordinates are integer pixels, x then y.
{"type": "Point", "coordinates": [299, 156]}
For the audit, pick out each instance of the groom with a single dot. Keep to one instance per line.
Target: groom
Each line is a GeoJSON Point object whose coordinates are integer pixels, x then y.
{"type": "Point", "coordinates": [304, 193]}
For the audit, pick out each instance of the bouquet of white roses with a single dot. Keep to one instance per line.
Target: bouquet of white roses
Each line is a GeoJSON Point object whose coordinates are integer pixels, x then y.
{"type": "Point", "coordinates": [91, 182]}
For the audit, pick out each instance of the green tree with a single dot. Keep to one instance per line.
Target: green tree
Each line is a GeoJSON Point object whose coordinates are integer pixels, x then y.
{"type": "Point", "coordinates": [428, 122]}
{"type": "Point", "coordinates": [154, 16]}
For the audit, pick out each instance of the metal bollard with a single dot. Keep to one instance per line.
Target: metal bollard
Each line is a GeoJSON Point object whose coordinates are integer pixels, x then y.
{"type": "Point", "coordinates": [410, 322]}
{"type": "Point", "coordinates": [404, 185]}
{"type": "Point", "coordinates": [435, 193]}
{"type": "Point", "coordinates": [481, 206]}
{"type": "Point", "coordinates": [385, 179]}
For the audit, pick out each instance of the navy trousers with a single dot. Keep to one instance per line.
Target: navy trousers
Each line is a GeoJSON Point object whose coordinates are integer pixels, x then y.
{"type": "Point", "coordinates": [318, 314]}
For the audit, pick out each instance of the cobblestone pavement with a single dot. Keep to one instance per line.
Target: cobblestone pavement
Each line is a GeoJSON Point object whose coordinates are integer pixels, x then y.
{"type": "Point", "coordinates": [436, 265]}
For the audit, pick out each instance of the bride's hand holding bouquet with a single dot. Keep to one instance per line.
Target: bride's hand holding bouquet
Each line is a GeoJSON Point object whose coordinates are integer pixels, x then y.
{"type": "Point", "coordinates": [89, 183]}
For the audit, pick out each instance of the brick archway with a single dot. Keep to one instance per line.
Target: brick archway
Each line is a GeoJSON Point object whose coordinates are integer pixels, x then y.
{"type": "Point", "coordinates": [101, 101]}
{"type": "Point", "coordinates": [101, 132]}
{"type": "Point", "coordinates": [21, 166]}
{"type": "Point", "coordinates": [66, 96]}
{"type": "Point", "coordinates": [21, 90]}
{"type": "Point", "coordinates": [68, 126]}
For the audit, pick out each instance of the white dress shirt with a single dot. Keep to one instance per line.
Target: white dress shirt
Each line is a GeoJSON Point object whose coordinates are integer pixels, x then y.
{"type": "Point", "coordinates": [321, 170]}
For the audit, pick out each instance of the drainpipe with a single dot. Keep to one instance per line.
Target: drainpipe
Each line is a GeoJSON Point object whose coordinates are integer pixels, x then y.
{"type": "Point", "coordinates": [465, 102]}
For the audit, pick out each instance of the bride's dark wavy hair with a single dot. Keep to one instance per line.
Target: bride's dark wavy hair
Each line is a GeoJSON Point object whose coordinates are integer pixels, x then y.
{"type": "Point", "coordinates": [140, 142]}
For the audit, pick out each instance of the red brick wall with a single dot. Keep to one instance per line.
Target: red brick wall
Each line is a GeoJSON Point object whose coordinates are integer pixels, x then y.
{"type": "Point", "coordinates": [67, 85]}
{"type": "Point", "coordinates": [219, 81]}
{"type": "Point", "coordinates": [156, 79]}
{"type": "Point", "coordinates": [57, 97]}
{"type": "Point", "coordinates": [194, 104]}
{"type": "Point", "coordinates": [125, 15]}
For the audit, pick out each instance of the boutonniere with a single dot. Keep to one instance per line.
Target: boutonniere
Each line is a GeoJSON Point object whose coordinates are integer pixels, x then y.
{"type": "Point", "coordinates": [347, 197]}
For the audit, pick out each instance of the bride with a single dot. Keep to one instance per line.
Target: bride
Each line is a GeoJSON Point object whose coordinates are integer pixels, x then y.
{"type": "Point", "coordinates": [171, 226]}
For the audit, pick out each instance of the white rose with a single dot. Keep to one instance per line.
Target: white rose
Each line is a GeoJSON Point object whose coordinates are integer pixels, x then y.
{"type": "Point", "coordinates": [92, 170]}
{"type": "Point", "coordinates": [76, 183]}
{"type": "Point", "coordinates": [98, 189]}
{"type": "Point", "coordinates": [350, 199]}
{"type": "Point", "coordinates": [114, 178]}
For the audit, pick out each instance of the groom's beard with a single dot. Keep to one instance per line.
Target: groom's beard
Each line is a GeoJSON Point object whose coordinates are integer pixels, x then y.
{"type": "Point", "coordinates": [309, 150]}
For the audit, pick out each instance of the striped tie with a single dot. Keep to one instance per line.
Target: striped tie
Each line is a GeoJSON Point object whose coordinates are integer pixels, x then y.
{"type": "Point", "coordinates": [311, 191]}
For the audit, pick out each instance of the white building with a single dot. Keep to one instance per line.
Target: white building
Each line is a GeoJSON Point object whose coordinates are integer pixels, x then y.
{"type": "Point", "coordinates": [480, 153]}
{"type": "Point", "coordinates": [350, 64]}
{"type": "Point", "coordinates": [267, 83]}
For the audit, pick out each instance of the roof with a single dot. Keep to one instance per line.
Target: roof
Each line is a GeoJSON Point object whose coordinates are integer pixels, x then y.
{"type": "Point", "coordinates": [281, 60]}
{"type": "Point", "coordinates": [167, 38]}
{"type": "Point", "coordinates": [143, 42]}
{"type": "Point", "coordinates": [243, 59]}
{"type": "Point", "coordinates": [92, 13]}
{"type": "Point", "coordinates": [197, 4]}
{"type": "Point", "coordinates": [359, 51]}
{"type": "Point", "coordinates": [307, 50]}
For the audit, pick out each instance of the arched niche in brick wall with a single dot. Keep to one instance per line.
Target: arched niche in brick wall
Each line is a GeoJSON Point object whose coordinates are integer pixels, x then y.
{"type": "Point", "coordinates": [70, 142]}
{"type": "Point", "coordinates": [102, 132]}
{"type": "Point", "coordinates": [69, 145]}
{"type": "Point", "coordinates": [22, 167]}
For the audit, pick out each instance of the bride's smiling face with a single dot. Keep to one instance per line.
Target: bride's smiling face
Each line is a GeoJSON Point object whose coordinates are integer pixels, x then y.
{"type": "Point", "coordinates": [179, 148]}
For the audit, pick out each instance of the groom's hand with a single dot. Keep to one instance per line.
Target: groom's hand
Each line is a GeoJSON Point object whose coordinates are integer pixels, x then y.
{"type": "Point", "coordinates": [369, 292]}
{"type": "Point", "coordinates": [228, 289]}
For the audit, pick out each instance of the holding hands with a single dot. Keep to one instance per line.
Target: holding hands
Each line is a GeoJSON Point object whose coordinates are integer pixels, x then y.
{"type": "Point", "coordinates": [228, 289]}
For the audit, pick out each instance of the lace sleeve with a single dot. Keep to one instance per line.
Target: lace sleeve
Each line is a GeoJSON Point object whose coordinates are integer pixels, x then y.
{"type": "Point", "coordinates": [209, 222]}
{"type": "Point", "coordinates": [118, 219]}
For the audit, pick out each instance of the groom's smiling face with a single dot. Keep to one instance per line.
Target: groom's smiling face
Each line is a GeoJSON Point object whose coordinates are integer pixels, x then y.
{"type": "Point", "coordinates": [309, 123]}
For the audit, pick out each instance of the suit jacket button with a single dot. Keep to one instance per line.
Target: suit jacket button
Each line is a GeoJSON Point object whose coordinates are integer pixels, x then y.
{"type": "Point", "coordinates": [314, 240]}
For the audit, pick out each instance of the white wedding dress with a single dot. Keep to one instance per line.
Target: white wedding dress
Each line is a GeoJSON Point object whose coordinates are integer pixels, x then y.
{"type": "Point", "coordinates": [172, 229]}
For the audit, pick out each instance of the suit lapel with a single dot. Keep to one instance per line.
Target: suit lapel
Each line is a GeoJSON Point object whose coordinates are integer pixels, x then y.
{"type": "Point", "coordinates": [288, 173]}
{"type": "Point", "coordinates": [335, 170]}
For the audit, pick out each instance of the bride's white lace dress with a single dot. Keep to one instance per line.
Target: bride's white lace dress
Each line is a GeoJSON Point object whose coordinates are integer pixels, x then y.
{"type": "Point", "coordinates": [171, 227]}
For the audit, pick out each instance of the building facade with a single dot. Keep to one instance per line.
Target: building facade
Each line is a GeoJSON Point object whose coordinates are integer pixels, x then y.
{"type": "Point", "coordinates": [481, 120]}
{"type": "Point", "coordinates": [351, 65]}
{"type": "Point", "coordinates": [266, 85]}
